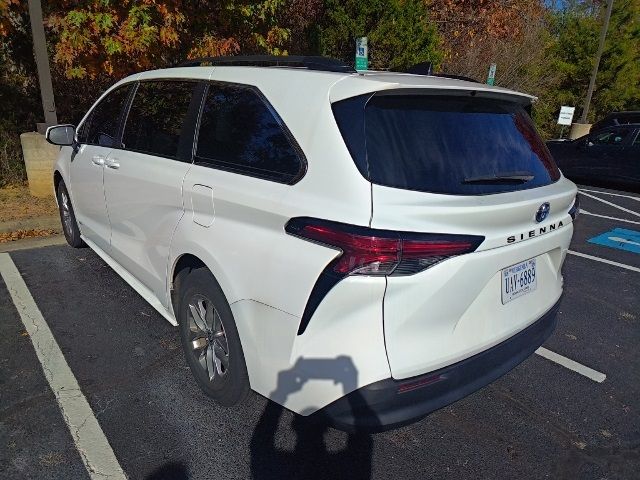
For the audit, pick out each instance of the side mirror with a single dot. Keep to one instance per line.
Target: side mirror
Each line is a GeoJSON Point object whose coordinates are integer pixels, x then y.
{"type": "Point", "coordinates": [585, 143]}
{"type": "Point", "coordinates": [62, 135]}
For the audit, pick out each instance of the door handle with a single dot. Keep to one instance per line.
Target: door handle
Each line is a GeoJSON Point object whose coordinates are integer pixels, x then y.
{"type": "Point", "coordinates": [112, 163]}
{"type": "Point", "coordinates": [97, 160]}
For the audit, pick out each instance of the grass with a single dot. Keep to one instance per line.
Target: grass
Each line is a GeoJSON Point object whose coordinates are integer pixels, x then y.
{"type": "Point", "coordinates": [17, 204]}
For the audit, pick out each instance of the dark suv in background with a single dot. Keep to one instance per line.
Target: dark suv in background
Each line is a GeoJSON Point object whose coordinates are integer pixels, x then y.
{"type": "Point", "coordinates": [607, 156]}
{"type": "Point", "coordinates": [614, 119]}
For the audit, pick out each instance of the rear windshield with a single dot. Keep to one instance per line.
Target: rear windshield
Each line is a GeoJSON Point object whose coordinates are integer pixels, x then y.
{"type": "Point", "coordinates": [461, 145]}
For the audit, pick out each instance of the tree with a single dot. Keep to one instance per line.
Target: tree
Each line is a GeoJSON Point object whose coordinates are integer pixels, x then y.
{"type": "Point", "coordinates": [126, 36]}
{"type": "Point", "coordinates": [94, 38]}
{"type": "Point", "coordinates": [400, 33]}
{"type": "Point", "coordinates": [618, 79]}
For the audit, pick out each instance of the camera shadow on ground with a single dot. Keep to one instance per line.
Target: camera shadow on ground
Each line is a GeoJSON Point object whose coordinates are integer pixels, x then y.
{"type": "Point", "coordinates": [310, 457]}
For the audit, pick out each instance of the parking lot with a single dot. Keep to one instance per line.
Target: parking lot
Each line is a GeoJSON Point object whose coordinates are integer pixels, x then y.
{"type": "Point", "coordinates": [574, 416]}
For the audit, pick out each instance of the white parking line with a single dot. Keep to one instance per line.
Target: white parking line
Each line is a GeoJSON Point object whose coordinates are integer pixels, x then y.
{"type": "Point", "coordinates": [637, 199]}
{"type": "Point", "coordinates": [604, 260]}
{"type": "Point", "coordinates": [572, 365]}
{"type": "Point", "coordinates": [632, 212]}
{"type": "Point", "coordinates": [584, 212]}
{"type": "Point", "coordinates": [93, 446]}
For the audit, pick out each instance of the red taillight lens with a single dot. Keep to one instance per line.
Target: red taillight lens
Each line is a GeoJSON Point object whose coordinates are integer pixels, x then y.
{"type": "Point", "coordinates": [365, 255]}
{"type": "Point", "coordinates": [423, 382]}
{"type": "Point", "coordinates": [367, 251]}
{"type": "Point", "coordinates": [418, 255]}
{"type": "Point", "coordinates": [420, 249]}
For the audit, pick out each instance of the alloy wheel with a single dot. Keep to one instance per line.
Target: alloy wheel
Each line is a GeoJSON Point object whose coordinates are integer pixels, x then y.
{"type": "Point", "coordinates": [208, 338]}
{"type": "Point", "coordinates": [66, 212]}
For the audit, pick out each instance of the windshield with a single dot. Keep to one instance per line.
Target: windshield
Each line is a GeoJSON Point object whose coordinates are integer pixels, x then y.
{"type": "Point", "coordinates": [445, 144]}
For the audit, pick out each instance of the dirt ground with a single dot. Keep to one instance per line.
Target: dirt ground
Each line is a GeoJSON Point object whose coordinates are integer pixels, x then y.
{"type": "Point", "coordinates": [17, 204]}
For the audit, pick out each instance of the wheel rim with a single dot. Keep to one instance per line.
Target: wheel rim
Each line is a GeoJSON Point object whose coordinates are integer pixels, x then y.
{"type": "Point", "coordinates": [66, 211]}
{"type": "Point", "coordinates": [208, 338]}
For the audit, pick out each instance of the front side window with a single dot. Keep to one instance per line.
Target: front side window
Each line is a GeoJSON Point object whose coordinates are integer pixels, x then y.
{"type": "Point", "coordinates": [156, 120]}
{"type": "Point", "coordinates": [240, 133]}
{"type": "Point", "coordinates": [612, 137]}
{"type": "Point", "coordinates": [103, 123]}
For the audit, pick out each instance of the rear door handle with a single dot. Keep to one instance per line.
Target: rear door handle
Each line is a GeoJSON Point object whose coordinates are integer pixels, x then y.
{"type": "Point", "coordinates": [97, 160]}
{"type": "Point", "coordinates": [112, 163]}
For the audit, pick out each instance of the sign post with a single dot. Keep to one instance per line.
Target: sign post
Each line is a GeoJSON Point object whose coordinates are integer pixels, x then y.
{"type": "Point", "coordinates": [362, 53]}
{"type": "Point", "coordinates": [491, 78]}
{"type": "Point", "coordinates": [42, 65]}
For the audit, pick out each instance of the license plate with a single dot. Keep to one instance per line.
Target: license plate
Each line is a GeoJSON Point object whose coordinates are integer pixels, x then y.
{"type": "Point", "coordinates": [518, 280]}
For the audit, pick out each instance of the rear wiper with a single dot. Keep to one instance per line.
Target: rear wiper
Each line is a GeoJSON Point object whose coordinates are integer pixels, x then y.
{"type": "Point", "coordinates": [506, 177]}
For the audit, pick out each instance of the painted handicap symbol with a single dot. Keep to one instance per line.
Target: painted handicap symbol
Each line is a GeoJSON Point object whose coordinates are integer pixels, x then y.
{"type": "Point", "coordinates": [619, 238]}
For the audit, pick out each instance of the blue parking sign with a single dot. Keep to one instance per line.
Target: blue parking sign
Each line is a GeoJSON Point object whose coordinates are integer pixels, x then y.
{"type": "Point", "coordinates": [620, 238]}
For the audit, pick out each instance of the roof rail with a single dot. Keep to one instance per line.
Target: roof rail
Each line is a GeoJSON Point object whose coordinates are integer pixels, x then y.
{"type": "Point", "coordinates": [456, 77]}
{"type": "Point", "coordinates": [426, 68]}
{"type": "Point", "coordinates": [324, 64]}
{"type": "Point", "coordinates": [422, 68]}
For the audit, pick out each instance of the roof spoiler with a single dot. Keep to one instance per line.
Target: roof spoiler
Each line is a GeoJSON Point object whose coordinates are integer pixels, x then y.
{"type": "Point", "coordinates": [426, 68]}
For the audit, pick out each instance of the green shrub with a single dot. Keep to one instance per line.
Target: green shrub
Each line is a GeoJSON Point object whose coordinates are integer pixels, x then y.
{"type": "Point", "coordinates": [12, 169]}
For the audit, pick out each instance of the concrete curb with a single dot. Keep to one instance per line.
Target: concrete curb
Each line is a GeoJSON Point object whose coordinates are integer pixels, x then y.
{"type": "Point", "coordinates": [36, 242]}
{"type": "Point", "coordinates": [44, 222]}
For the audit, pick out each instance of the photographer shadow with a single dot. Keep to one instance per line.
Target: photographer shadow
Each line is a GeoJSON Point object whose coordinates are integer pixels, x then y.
{"type": "Point", "coordinates": [310, 458]}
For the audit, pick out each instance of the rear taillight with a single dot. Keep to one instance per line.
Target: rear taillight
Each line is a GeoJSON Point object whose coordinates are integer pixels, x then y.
{"type": "Point", "coordinates": [575, 208]}
{"type": "Point", "coordinates": [417, 255]}
{"type": "Point", "coordinates": [361, 254]}
{"type": "Point", "coordinates": [368, 251]}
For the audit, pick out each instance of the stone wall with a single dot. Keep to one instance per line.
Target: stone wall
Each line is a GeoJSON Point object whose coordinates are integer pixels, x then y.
{"type": "Point", "coordinates": [39, 159]}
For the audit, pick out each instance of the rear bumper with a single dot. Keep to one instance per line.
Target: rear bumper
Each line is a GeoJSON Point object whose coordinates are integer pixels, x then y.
{"type": "Point", "coordinates": [389, 403]}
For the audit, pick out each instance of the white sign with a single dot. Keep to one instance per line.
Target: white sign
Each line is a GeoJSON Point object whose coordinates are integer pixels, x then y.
{"type": "Point", "coordinates": [566, 115]}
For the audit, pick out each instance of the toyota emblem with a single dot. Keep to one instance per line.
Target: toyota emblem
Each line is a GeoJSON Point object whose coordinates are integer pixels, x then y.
{"type": "Point", "coordinates": [543, 212]}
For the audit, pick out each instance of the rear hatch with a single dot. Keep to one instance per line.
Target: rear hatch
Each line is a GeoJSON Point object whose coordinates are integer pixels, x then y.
{"type": "Point", "coordinates": [466, 163]}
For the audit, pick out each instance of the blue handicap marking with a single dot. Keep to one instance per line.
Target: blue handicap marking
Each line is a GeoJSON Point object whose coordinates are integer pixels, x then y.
{"type": "Point", "coordinates": [620, 238]}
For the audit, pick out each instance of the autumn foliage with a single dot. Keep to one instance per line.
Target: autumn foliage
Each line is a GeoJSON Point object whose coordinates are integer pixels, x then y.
{"type": "Point", "coordinates": [543, 47]}
{"type": "Point", "coordinates": [117, 38]}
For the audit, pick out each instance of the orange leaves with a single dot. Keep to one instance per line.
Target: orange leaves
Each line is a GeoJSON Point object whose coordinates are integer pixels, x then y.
{"type": "Point", "coordinates": [7, 7]}
{"type": "Point", "coordinates": [484, 19]}
{"type": "Point", "coordinates": [473, 30]}
{"type": "Point", "coordinates": [30, 233]}
{"type": "Point", "coordinates": [93, 37]}
{"type": "Point", "coordinates": [115, 38]}
{"type": "Point", "coordinates": [210, 46]}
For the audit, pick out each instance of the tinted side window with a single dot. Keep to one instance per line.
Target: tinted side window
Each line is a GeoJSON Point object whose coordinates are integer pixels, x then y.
{"type": "Point", "coordinates": [83, 130]}
{"type": "Point", "coordinates": [103, 124]}
{"type": "Point", "coordinates": [240, 133]}
{"type": "Point", "coordinates": [612, 137]}
{"type": "Point", "coordinates": [156, 120]}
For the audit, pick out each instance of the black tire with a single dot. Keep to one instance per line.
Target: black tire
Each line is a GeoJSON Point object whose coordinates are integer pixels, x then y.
{"type": "Point", "coordinates": [68, 217]}
{"type": "Point", "coordinates": [229, 385]}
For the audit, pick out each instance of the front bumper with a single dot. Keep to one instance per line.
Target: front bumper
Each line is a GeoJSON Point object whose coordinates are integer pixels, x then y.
{"type": "Point", "coordinates": [390, 403]}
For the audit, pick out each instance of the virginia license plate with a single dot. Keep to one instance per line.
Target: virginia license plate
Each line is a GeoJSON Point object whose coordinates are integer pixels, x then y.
{"type": "Point", "coordinates": [518, 280]}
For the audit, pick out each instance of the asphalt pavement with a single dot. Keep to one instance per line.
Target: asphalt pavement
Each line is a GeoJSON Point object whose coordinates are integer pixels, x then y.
{"type": "Point", "coordinates": [542, 420]}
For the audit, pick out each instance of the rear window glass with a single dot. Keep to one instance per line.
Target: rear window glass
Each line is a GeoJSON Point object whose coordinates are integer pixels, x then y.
{"type": "Point", "coordinates": [239, 132]}
{"type": "Point", "coordinates": [460, 145]}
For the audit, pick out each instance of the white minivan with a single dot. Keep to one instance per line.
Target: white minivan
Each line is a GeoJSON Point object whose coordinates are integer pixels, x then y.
{"type": "Point", "coordinates": [360, 247]}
